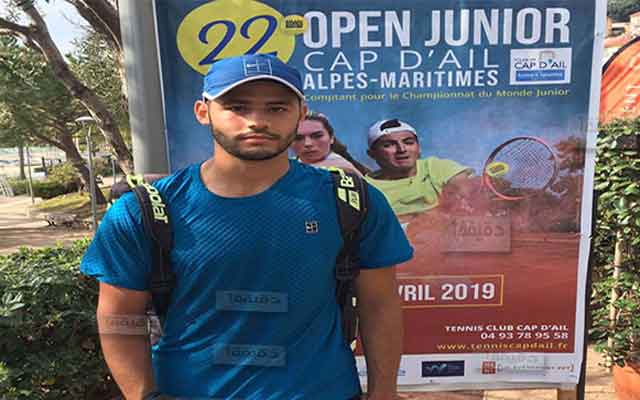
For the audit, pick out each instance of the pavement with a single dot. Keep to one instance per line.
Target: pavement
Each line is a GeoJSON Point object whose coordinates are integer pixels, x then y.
{"type": "Point", "coordinates": [19, 227]}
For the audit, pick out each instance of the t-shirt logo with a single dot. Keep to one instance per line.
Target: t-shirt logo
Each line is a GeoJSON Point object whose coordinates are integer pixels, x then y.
{"type": "Point", "coordinates": [258, 67]}
{"type": "Point", "coordinates": [311, 227]}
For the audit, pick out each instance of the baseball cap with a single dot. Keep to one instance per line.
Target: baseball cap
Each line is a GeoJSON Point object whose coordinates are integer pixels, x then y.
{"type": "Point", "coordinates": [386, 127]}
{"type": "Point", "coordinates": [229, 73]}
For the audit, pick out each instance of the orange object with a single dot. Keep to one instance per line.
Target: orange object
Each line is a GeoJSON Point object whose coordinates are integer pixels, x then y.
{"type": "Point", "coordinates": [627, 382]}
{"type": "Point", "coordinates": [620, 93]}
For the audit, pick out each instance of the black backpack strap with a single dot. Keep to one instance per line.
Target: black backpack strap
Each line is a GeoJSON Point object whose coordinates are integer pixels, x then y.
{"type": "Point", "coordinates": [352, 203]}
{"type": "Point", "coordinates": [156, 225]}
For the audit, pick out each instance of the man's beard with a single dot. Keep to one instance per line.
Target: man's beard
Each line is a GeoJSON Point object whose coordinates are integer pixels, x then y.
{"type": "Point", "coordinates": [233, 145]}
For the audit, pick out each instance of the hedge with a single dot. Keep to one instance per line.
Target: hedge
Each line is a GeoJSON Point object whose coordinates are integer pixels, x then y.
{"type": "Point", "coordinates": [49, 347]}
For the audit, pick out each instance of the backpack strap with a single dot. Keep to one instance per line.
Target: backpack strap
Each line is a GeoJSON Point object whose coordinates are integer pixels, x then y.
{"type": "Point", "coordinates": [352, 203]}
{"type": "Point", "coordinates": [157, 227]}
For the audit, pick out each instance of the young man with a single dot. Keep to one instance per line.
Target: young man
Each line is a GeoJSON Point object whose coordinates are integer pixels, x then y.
{"type": "Point", "coordinates": [410, 184]}
{"type": "Point", "coordinates": [314, 141]}
{"type": "Point", "coordinates": [253, 314]}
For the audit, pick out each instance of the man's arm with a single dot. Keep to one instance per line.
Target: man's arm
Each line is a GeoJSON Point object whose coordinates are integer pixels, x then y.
{"type": "Point", "coordinates": [381, 329]}
{"type": "Point", "coordinates": [124, 339]}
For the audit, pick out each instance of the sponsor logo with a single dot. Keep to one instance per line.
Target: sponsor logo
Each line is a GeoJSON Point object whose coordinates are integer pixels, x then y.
{"type": "Point", "coordinates": [311, 227]}
{"type": "Point", "coordinates": [489, 368]}
{"type": "Point", "coordinates": [258, 68]}
{"type": "Point", "coordinates": [540, 66]}
{"type": "Point", "coordinates": [442, 368]}
{"type": "Point", "coordinates": [157, 205]}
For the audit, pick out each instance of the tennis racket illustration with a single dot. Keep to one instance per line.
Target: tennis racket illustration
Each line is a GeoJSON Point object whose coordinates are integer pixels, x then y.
{"type": "Point", "coordinates": [520, 167]}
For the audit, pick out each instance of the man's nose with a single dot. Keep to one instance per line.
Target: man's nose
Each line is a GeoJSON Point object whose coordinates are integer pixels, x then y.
{"type": "Point", "coordinates": [258, 120]}
{"type": "Point", "coordinates": [401, 148]}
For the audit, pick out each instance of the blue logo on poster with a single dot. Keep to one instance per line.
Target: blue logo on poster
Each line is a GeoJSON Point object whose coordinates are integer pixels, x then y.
{"type": "Point", "coordinates": [432, 369]}
{"type": "Point", "coordinates": [540, 66]}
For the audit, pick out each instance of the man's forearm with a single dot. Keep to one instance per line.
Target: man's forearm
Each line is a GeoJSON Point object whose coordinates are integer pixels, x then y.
{"type": "Point", "coordinates": [128, 356]}
{"type": "Point", "coordinates": [381, 329]}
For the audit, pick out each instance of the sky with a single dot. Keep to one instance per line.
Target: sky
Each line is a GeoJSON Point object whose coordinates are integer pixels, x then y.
{"type": "Point", "coordinates": [64, 23]}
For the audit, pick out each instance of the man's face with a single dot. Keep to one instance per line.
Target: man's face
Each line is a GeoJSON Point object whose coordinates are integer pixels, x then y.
{"type": "Point", "coordinates": [397, 152]}
{"type": "Point", "coordinates": [254, 121]}
{"type": "Point", "coordinates": [313, 142]}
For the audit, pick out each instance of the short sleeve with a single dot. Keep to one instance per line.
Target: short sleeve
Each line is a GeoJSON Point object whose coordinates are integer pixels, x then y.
{"type": "Point", "coordinates": [120, 253]}
{"type": "Point", "coordinates": [383, 243]}
{"type": "Point", "coordinates": [441, 170]}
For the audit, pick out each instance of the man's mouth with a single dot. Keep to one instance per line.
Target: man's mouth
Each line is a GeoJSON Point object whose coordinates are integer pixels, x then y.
{"type": "Point", "coordinates": [257, 137]}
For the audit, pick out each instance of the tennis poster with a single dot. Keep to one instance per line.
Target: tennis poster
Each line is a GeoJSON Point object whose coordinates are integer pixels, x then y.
{"type": "Point", "coordinates": [477, 121]}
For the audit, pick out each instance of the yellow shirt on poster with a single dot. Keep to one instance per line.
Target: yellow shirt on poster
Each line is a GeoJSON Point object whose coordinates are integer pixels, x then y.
{"type": "Point", "coordinates": [420, 192]}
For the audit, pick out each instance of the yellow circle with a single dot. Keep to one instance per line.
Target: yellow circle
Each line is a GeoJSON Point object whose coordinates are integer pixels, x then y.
{"type": "Point", "coordinates": [228, 28]}
{"type": "Point", "coordinates": [497, 169]}
{"type": "Point", "coordinates": [294, 25]}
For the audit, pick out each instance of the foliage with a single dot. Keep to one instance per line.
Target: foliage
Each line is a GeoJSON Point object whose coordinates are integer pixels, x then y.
{"type": "Point", "coordinates": [64, 174]}
{"type": "Point", "coordinates": [78, 203]}
{"type": "Point", "coordinates": [62, 179]}
{"type": "Point", "coordinates": [102, 166]}
{"type": "Point", "coordinates": [49, 348]}
{"type": "Point", "coordinates": [45, 189]}
{"type": "Point", "coordinates": [34, 104]}
{"type": "Point", "coordinates": [95, 62]}
{"type": "Point", "coordinates": [618, 221]}
{"type": "Point", "coordinates": [619, 10]}
{"type": "Point", "coordinates": [102, 15]}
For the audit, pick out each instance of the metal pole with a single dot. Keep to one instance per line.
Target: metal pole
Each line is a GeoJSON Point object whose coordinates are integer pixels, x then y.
{"type": "Point", "coordinates": [30, 179]}
{"type": "Point", "coordinates": [146, 113]}
{"type": "Point", "coordinates": [113, 169]}
{"type": "Point", "coordinates": [92, 183]}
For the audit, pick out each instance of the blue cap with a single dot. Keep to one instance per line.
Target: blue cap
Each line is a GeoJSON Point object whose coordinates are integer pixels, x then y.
{"type": "Point", "coordinates": [229, 73]}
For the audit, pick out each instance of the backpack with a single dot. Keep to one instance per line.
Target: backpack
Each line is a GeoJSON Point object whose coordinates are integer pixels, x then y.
{"type": "Point", "coordinates": [352, 205]}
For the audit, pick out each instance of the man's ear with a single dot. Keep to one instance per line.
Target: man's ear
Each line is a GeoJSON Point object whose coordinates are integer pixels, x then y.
{"type": "Point", "coordinates": [370, 153]}
{"type": "Point", "coordinates": [201, 111]}
{"type": "Point", "coordinates": [304, 109]}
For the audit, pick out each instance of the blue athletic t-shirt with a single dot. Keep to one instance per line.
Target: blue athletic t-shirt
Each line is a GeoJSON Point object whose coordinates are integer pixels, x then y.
{"type": "Point", "coordinates": [253, 315]}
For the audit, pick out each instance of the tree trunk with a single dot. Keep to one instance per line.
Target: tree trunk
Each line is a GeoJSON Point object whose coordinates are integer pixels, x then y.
{"type": "Point", "coordinates": [103, 18]}
{"type": "Point", "coordinates": [37, 36]}
{"type": "Point", "coordinates": [74, 157]}
{"type": "Point", "coordinates": [22, 176]}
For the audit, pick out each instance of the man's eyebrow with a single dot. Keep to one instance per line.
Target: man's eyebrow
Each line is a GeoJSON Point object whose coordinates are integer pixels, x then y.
{"type": "Point", "coordinates": [241, 100]}
{"type": "Point", "coordinates": [233, 100]}
{"type": "Point", "coordinates": [388, 140]}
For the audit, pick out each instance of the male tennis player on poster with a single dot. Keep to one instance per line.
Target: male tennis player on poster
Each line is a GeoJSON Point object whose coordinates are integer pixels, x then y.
{"type": "Point", "coordinates": [481, 150]}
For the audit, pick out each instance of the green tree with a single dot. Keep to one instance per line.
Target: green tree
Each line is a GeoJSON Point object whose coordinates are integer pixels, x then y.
{"type": "Point", "coordinates": [38, 106]}
{"type": "Point", "coordinates": [96, 63]}
{"type": "Point", "coordinates": [619, 10]}
{"type": "Point", "coordinates": [36, 36]}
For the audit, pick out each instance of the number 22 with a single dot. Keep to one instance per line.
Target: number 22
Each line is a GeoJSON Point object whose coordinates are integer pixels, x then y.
{"type": "Point", "coordinates": [230, 32]}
